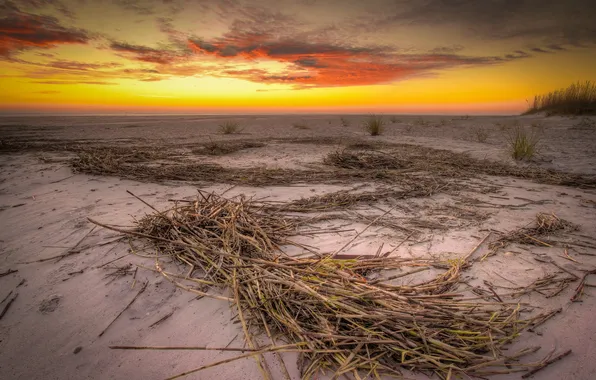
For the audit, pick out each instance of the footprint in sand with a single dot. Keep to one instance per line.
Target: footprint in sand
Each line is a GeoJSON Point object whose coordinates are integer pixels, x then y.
{"type": "Point", "coordinates": [50, 304]}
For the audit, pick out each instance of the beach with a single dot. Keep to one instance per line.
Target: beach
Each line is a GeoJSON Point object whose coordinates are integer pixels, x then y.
{"type": "Point", "coordinates": [428, 188]}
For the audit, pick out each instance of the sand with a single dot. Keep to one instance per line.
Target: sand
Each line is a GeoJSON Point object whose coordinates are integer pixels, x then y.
{"type": "Point", "coordinates": [51, 329]}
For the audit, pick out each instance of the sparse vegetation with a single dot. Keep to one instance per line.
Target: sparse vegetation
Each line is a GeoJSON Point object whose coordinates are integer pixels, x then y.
{"type": "Point", "coordinates": [409, 128]}
{"type": "Point", "coordinates": [394, 119]}
{"type": "Point", "coordinates": [374, 125]}
{"type": "Point", "coordinates": [481, 134]}
{"type": "Point", "coordinates": [300, 126]}
{"type": "Point", "coordinates": [420, 122]}
{"type": "Point", "coordinates": [214, 148]}
{"type": "Point", "coordinates": [523, 145]}
{"type": "Point", "coordinates": [230, 128]}
{"type": "Point", "coordinates": [577, 99]}
{"type": "Point", "coordinates": [344, 122]}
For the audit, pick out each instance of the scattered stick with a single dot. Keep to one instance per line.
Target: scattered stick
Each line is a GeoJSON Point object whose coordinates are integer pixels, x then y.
{"type": "Point", "coordinates": [8, 305]}
{"type": "Point", "coordinates": [363, 230]}
{"type": "Point", "coordinates": [5, 298]}
{"type": "Point", "coordinates": [161, 320]}
{"type": "Point", "coordinates": [123, 310]}
{"type": "Point", "coordinates": [10, 271]}
{"type": "Point", "coordinates": [71, 251]}
{"type": "Point", "coordinates": [183, 348]}
{"type": "Point", "coordinates": [580, 288]}
{"type": "Point", "coordinates": [63, 179]}
{"type": "Point", "coordinates": [111, 261]}
{"type": "Point", "coordinates": [386, 254]}
{"type": "Point", "coordinates": [545, 364]}
{"type": "Point", "coordinates": [476, 247]}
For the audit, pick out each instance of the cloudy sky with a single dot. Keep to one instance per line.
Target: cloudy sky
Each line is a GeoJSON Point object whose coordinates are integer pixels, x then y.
{"type": "Point", "coordinates": [430, 56]}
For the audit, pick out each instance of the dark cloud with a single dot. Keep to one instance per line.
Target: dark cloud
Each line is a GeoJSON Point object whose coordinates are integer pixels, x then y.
{"type": "Point", "coordinates": [81, 66]}
{"type": "Point", "coordinates": [325, 64]}
{"type": "Point", "coordinates": [148, 54]}
{"type": "Point", "coordinates": [539, 50]}
{"type": "Point", "coordinates": [566, 22]}
{"type": "Point", "coordinates": [447, 49]}
{"type": "Point", "coordinates": [20, 31]}
{"type": "Point", "coordinates": [139, 7]}
{"type": "Point", "coordinates": [48, 92]}
{"type": "Point", "coordinates": [308, 62]}
{"type": "Point", "coordinates": [58, 5]}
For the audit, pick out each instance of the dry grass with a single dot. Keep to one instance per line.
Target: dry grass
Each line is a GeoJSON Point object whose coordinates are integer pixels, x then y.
{"type": "Point", "coordinates": [300, 126]}
{"type": "Point", "coordinates": [523, 145]}
{"type": "Point", "coordinates": [481, 134]}
{"type": "Point", "coordinates": [222, 148]}
{"type": "Point", "coordinates": [420, 122]}
{"type": "Point", "coordinates": [327, 309]}
{"type": "Point", "coordinates": [545, 226]}
{"type": "Point", "coordinates": [230, 128]}
{"type": "Point", "coordinates": [394, 119]}
{"type": "Point", "coordinates": [577, 99]}
{"type": "Point", "coordinates": [374, 125]}
{"type": "Point", "coordinates": [363, 160]}
{"type": "Point", "coordinates": [344, 122]}
{"type": "Point", "coordinates": [414, 162]}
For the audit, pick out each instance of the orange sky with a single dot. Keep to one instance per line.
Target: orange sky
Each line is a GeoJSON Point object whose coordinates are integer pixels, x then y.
{"type": "Point", "coordinates": [290, 56]}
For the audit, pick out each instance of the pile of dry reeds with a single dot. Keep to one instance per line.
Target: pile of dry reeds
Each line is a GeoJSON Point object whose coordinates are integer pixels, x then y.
{"type": "Point", "coordinates": [545, 225]}
{"type": "Point", "coordinates": [221, 148]}
{"type": "Point", "coordinates": [327, 309]}
{"type": "Point", "coordinates": [363, 160]}
{"type": "Point", "coordinates": [400, 163]}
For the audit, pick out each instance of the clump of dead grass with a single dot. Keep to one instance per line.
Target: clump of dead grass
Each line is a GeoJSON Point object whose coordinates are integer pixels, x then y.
{"type": "Point", "coordinates": [394, 119]}
{"type": "Point", "coordinates": [544, 226]}
{"type": "Point", "coordinates": [325, 308]}
{"type": "Point", "coordinates": [302, 126]}
{"type": "Point", "coordinates": [481, 134]}
{"type": "Point", "coordinates": [374, 125]}
{"type": "Point", "coordinates": [214, 148]}
{"type": "Point", "coordinates": [344, 122]}
{"type": "Point", "coordinates": [363, 160]}
{"type": "Point", "coordinates": [523, 145]}
{"type": "Point", "coordinates": [230, 127]}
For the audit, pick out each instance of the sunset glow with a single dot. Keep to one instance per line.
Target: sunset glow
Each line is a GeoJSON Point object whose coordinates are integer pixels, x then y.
{"type": "Point", "coordinates": [289, 56]}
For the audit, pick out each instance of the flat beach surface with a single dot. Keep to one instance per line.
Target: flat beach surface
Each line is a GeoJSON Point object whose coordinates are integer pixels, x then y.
{"type": "Point", "coordinates": [446, 192]}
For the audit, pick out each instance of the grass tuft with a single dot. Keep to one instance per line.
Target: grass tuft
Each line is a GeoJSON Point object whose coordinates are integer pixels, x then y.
{"type": "Point", "coordinates": [374, 125]}
{"type": "Point", "coordinates": [300, 126]}
{"type": "Point", "coordinates": [481, 134]}
{"type": "Point", "coordinates": [577, 99]}
{"type": "Point", "coordinates": [523, 145]}
{"type": "Point", "coordinates": [230, 128]}
{"type": "Point", "coordinates": [344, 122]}
{"type": "Point", "coordinates": [394, 119]}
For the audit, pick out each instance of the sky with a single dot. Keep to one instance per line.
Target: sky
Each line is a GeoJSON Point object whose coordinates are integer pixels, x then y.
{"type": "Point", "coordinates": [291, 56]}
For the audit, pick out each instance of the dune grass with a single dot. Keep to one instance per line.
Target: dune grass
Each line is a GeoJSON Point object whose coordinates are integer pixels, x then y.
{"type": "Point", "coordinates": [374, 125]}
{"type": "Point", "coordinates": [577, 99]}
{"type": "Point", "coordinates": [230, 128]}
{"type": "Point", "coordinates": [523, 145]}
